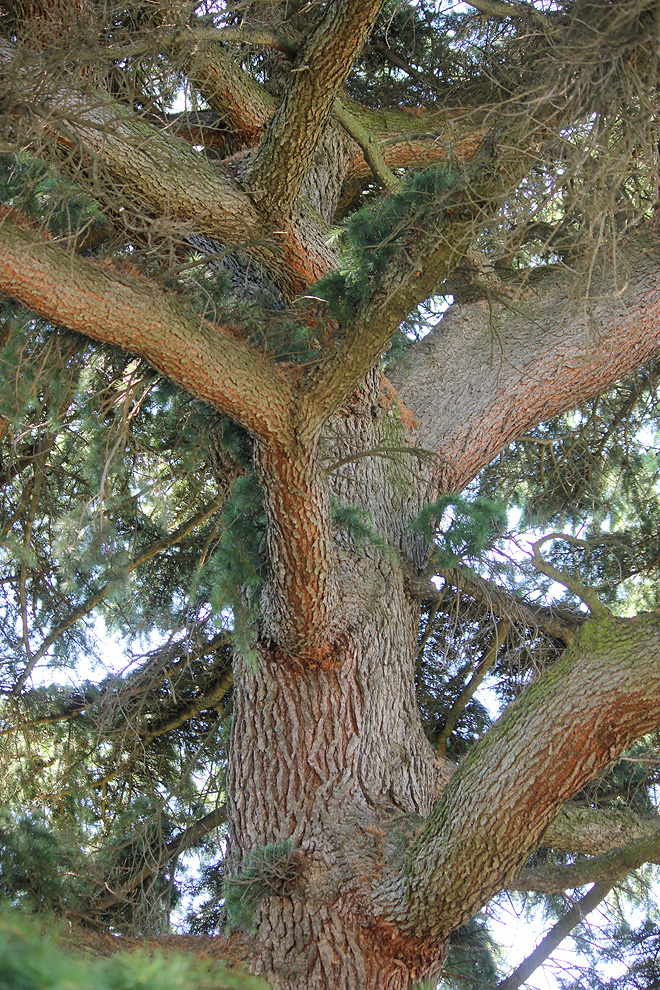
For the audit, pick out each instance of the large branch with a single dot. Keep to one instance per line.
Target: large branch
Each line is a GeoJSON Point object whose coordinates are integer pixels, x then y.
{"type": "Point", "coordinates": [440, 230]}
{"type": "Point", "coordinates": [546, 351]}
{"type": "Point", "coordinates": [208, 361]}
{"type": "Point", "coordinates": [574, 720]}
{"type": "Point", "coordinates": [304, 108]}
{"type": "Point", "coordinates": [242, 104]}
{"type": "Point", "coordinates": [121, 158]}
{"type": "Point", "coordinates": [611, 866]}
{"type": "Point", "coordinates": [591, 831]}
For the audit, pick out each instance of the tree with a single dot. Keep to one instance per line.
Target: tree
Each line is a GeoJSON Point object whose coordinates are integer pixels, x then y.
{"type": "Point", "coordinates": [246, 266]}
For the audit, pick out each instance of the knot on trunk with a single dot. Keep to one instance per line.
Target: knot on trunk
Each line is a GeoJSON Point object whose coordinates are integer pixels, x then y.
{"type": "Point", "coordinates": [271, 870]}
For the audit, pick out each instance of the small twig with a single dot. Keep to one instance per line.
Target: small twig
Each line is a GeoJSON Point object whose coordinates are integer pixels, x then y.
{"type": "Point", "coordinates": [489, 658]}
{"type": "Point", "coordinates": [370, 147]}
{"type": "Point", "coordinates": [569, 581]}
{"type": "Point", "coordinates": [86, 607]}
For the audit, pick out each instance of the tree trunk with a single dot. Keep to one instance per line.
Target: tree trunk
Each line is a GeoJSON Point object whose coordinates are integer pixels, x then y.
{"type": "Point", "coordinates": [332, 759]}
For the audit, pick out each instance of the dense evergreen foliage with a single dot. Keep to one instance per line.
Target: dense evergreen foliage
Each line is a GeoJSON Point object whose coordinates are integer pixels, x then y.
{"type": "Point", "coordinates": [32, 959]}
{"type": "Point", "coordinates": [133, 547]}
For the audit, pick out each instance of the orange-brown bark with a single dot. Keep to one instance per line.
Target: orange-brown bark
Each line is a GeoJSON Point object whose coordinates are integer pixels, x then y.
{"type": "Point", "coordinates": [209, 361]}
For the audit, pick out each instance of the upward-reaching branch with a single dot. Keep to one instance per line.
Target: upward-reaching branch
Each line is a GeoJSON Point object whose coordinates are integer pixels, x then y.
{"type": "Point", "coordinates": [293, 135]}
{"type": "Point", "coordinates": [544, 352]}
{"type": "Point", "coordinates": [242, 104]}
{"type": "Point", "coordinates": [116, 154]}
{"type": "Point", "coordinates": [556, 935]}
{"type": "Point", "coordinates": [602, 695]}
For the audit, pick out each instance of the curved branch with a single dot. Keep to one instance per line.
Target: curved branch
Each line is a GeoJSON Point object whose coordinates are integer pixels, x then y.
{"type": "Point", "coordinates": [575, 719]}
{"type": "Point", "coordinates": [207, 360]}
{"type": "Point", "coordinates": [370, 147]}
{"type": "Point", "coordinates": [529, 360]}
{"type": "Point", "coordinates": [505, 8]}
{"type": "Point", "coordinates": [570, 581]}
{"type": "Point", "coordinates": [295, 130]}
{"type": "Point", "coordinates": [410, 143]}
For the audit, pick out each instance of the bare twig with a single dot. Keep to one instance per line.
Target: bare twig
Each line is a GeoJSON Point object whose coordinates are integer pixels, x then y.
{"type": "Point", "coordinates": [487, 661]}
{"type": "Point", "coordinates": [569, 581]}
{"type": "Point", "coordinates": [557, 933]}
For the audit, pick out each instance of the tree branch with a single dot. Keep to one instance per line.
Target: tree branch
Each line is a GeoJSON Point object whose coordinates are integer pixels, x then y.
{"type": "Point", "coordinates": [608, 867]}
{"type": "Point", "coordinates": [570, 581]}
{"type": "Point", "coordinates": [557, 934]}
{"type": "Point", "coordinates": [242, 104]}
{"type": "Point", "coordinates": [591, 831]}
{"type": "Point", "coordinates": [211, 697]}
{"type": "Point", "coordinates": [486, 662]}
{"type": "Point", "coordinates": [556, 622]}
{"type": "Point", "coordinates": [572, 721]}
{"type": "Point", "coordinates": [304, 108]}
{"type": "Point", "coordinates": [370, 147]}
{"type": "Point", "coordinates": [536, 357]}
{"type": "Point", "coordinates": [113, 151]}
{"type": "Point", "coordinates": [183, 841]}
{"type": "Point", "coordinates": [206, 360]}
{"type": "Point", "coordinates": [504, 9]}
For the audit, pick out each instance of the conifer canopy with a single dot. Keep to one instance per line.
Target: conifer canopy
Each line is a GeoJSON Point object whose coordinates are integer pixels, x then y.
{"type": "Point", "coordinates": [329, 489]}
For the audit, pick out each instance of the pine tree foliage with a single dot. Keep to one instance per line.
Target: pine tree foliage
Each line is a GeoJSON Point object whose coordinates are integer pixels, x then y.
{"type": "Point", "coordinates": [131, 513]}
{"type": "Point", "coordinates": [33, 960]}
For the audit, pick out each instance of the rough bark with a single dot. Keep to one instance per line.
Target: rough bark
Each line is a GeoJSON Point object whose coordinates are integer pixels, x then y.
{"type": "Point", "coordinates": [610, 866]}
{"type": "Point", "coordinates": [392, 849]}
{"type": "Point", "coordinates": [525, 360]}
{"type": "Point", "coordinates": [141, 174]}
{"type": "Point", "coordinates": [591, 831]}
{"type": "Point", "coordinates": [119, 309]}
{"type": "Point", "coordinates": [294, 133]}
{"type": "Point", "coordinates": [571, 722]}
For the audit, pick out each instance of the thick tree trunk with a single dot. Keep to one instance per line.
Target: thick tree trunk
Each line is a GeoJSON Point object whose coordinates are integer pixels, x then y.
{"type": "Point", "coordinates": [326, 759]}
{"type": "Point", "coordinates": [330, 759]}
